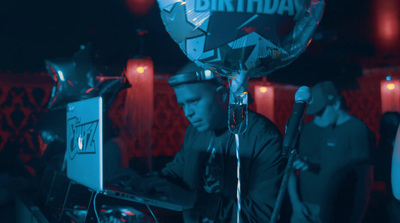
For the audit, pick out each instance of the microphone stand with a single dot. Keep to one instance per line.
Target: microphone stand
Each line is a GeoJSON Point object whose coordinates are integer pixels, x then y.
{"type": "Point", "coordinates": [284, 184]}
{"type": "Point", "coordinates": [290, 145]}
{"type": "Point", "coordinates": [302, 98]}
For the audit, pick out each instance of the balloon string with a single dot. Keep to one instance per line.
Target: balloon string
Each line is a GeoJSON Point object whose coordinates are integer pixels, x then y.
{"type": "Point", "coordinates": [238, 191]}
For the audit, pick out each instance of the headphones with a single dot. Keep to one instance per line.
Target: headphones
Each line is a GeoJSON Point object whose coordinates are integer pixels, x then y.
{"type": "Point", "coordinates": [192, 77]}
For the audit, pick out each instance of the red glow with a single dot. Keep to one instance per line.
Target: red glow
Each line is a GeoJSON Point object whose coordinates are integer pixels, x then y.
{"type": "Point", "coordinates": [387, 22]}
{"type": "Point", "coordinates": [142, 32]}
{"type": "Point", "coordinates": [264, 99]}
{"type": "Point", "coordinates": [129, 213]}
{"type": "Point", "coordinates": [30, 169]}
{"type": "Point", "coordinates": [53, 72]}
{"type": "Point", "coordinates": [89, 90]}
{"type": "Point", "coordinates": [139, 101]}
{"type": "Point", "coordinates": [390, 95]}
{"type": "Point", "coordinates": [249, 29]}
{"type": "Point", "coordinates": [139, 7]}
{"type": "Point", "coordinates": [103, 78]}
{"type": "Point", "coordinates": [390, 26]}
{"type": "Point", "coordinates": [309, 42]}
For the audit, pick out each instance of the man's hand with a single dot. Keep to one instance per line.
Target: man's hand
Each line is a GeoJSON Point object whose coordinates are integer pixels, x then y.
{"type": "Point", "coordinates": [166, 190]}
{"type": "Point", "coordinates": [300, 209]}
{"type": "Point", "coordinates": [300, 165]}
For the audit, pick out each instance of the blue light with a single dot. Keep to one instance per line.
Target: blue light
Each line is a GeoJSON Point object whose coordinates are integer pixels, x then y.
{"type": "Point", "coordinates": [388, 78]}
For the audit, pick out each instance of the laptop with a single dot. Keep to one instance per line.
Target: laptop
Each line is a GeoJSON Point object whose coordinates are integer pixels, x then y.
{"type": "Point", "coordinates": [85, 154]}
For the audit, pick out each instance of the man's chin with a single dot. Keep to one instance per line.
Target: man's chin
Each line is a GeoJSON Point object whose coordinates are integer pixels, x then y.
{"type": "Point", "coordinates": [201, 128]}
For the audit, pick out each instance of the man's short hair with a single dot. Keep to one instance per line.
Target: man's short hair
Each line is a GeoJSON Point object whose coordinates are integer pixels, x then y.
{"type": "Point", "coordinates": [191, 73]}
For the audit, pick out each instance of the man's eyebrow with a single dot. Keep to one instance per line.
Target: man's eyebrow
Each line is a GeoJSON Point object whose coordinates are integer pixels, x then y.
{"type": "Point", "coordinates": [180, 102]}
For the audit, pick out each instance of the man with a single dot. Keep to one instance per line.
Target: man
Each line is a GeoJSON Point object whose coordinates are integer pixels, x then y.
{"type": "Point", "coordinates": [334, 162]}
{"type": "Point", "coordinates": [205, 166]}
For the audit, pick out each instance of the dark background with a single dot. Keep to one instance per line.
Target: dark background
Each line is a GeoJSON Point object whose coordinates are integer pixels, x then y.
{"type": "Point", "coordinates": [32, 31]}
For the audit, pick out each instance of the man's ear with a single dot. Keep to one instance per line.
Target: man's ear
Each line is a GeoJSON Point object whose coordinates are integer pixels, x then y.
{"type": "Point", "coordinates": [223, 93]}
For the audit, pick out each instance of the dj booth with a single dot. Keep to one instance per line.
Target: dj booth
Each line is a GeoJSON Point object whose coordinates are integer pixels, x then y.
{"type": "Point", "coordinates": [58, 199]}
{"type": "Point", "coordinates": [78, 192]}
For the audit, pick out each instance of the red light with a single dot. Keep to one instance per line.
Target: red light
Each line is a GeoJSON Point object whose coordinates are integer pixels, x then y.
{"type": "Point", "coordinates": [387, 30]}
{"type": "Point", "coordinates": [89, 90]}
{"type": "Point", "coordinates": [129, 213]}
{"type": "Point", "coordinates": [140, 7]}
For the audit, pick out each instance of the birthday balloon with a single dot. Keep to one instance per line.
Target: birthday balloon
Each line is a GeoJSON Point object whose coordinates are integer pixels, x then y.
{"type": "Point", "coordinates": [253, 36]}
{"type": "Point", "coordinates": [77, 77]}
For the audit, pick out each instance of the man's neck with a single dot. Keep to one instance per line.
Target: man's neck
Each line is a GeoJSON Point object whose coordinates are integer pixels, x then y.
{"type": "Point", "coordinates": [343, 117]}
{"type": "Point", "coordinates": [319, 121]}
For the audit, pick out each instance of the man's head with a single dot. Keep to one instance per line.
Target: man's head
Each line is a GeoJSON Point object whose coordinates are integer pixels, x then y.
{"type": "Point", "coordinates": [202, 97]}
{"type": "Point", "coordinates": [388, 128]}
{"type": "Point", "coordinates": [326, 103]}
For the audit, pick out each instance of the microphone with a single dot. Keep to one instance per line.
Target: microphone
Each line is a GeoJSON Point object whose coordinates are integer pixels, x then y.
{"type": "Point", "coordinates": [302, 98]}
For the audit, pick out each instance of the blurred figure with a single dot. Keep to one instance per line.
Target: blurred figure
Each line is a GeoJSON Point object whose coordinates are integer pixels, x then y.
{"type": "Point", "coordinates": [387, 131]}
{"type": "Point", "coordinates": [203, 172]}
{"type": "Point", "coordinates": [14, 177]}
{"type": "Point", "coordinates": [394, 205]}
{"type": "Point", "coordinates": [115, 153]}
{"type": "Point", "coordinates": [382, 195]}
{"type": "Point", "coordinates": [334, 164]}
{"type": "Point", "coordinates": [52, 135]}
{"type": "Point", "coordinates": [396, 166]}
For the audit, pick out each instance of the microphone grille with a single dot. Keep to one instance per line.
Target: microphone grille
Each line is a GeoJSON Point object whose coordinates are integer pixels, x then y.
{"type": "Point", "coordinates": [303, 94]}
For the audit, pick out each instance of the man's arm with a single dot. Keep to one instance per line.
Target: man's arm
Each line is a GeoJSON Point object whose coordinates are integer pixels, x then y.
{"type": "Point", "coordinates": [362, 150]}
{"type": "Point", "coordinates": [396, 166]}
{"type": "Point", "coordinates": [299, 209]}
{"type": "Point", "coordinates": [170, 182]}
{"type": "Point", "coordinates": [364, 183]}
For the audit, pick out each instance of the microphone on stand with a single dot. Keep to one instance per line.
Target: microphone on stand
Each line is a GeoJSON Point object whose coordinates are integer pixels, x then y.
{"type": "Point", "coordinates": [301, 98]}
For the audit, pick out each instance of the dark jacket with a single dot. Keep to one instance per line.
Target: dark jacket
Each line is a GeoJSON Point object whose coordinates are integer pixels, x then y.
{"type": "Point", "coordinates": [261, 172]}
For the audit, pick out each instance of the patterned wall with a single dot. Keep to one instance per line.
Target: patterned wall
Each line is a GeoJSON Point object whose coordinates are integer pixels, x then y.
{"type": "Point", "coordinates": [169, 122]}
{"type": "Point", "coordinates": [24, 97]}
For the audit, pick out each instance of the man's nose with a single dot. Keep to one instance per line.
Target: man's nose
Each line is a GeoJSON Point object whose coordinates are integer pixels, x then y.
{"type": "Point", "coordinates": [189, 111]}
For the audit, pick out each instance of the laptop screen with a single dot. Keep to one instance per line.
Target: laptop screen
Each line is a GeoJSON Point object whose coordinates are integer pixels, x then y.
{"type": "Point", "coordinates": [85, 142]}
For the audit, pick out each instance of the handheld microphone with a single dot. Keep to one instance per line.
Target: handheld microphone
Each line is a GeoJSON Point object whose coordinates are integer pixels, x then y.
{"type": "Point", "coordinates": [302, 98]}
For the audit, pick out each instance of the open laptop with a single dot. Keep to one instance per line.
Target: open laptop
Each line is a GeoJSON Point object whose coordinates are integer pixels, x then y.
{"type": "Point", "coordinates": [85, 153]}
